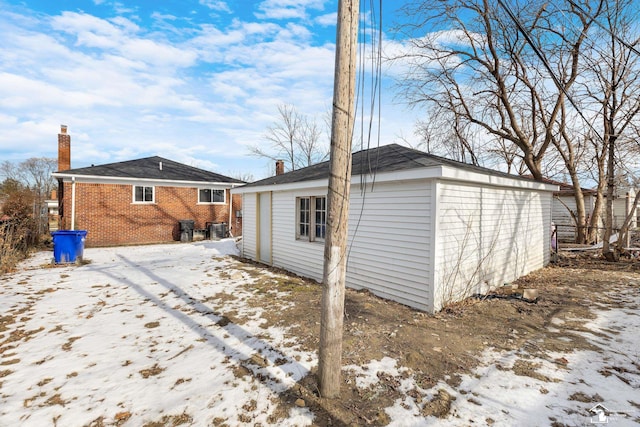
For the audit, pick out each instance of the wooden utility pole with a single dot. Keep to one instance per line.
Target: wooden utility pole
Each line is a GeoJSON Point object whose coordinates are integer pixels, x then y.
{"type": "Point", "coordinates": [335, 248]}
{"type": "Point", "coordinates": [610, 254]}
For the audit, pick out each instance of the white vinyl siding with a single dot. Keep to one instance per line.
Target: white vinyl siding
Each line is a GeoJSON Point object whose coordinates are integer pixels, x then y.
{"type": "Point", "coordinates": [488, 236]}
{"type": "Point", "coordinates": [249, 222]}
{"type": "Point", "coordinates": [390, 252]}
{"type": "Point", "coordinates": [621, 207]}
{"type": "Point", "coordinates": [390, 246]}
{"type": "Point", "coordinates": [296, 255]}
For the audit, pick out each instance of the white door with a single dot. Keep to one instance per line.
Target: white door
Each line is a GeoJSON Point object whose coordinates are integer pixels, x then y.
{"type": "Point", "coordinates": [264, 227]}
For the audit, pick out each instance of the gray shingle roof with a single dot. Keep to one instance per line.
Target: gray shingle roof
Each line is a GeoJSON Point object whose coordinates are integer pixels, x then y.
{"type": "Point", "coordinates": [388, 158]}
{"type": "Point", "coordinates": [149, 168]}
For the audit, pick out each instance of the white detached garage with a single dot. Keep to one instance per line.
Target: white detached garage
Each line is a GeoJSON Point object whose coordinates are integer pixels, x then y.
{"type": "Point", "coordinates": [423, 230]}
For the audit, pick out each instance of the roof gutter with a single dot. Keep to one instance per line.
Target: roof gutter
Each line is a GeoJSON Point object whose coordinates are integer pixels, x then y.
{"type": "Point", "coordinates": [125, 180]}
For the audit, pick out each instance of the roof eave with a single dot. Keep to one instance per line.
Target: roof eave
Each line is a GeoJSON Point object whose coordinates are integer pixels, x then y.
{"type": "Point", "coordinates": [80, 178]}
{"type": "Point", "coordinates": [445, 172]}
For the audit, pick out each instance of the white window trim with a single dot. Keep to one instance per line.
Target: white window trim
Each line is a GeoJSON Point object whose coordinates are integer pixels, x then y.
{"type": "Point", "coordinates": [224, 195]}
{"type": "Point", "coordinates": [297, 221]}
{"type": "Point", "coordinates": [312, 219]}
{"type": "Point", "coordinates": [143, 202]}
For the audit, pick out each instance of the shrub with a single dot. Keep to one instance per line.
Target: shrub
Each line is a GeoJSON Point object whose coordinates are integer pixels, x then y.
{"type": "Point", "coordinates": [18, 231]}
{"type": "Point", "coordinates": [13, 245]}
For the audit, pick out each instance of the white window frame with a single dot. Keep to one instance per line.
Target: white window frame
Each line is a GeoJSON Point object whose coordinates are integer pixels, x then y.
{"type": "Point", "coordinates": [300, 223]}
{"type": "Point", "coordinates": [212, 202]}
{"type": "Point", "coordinates": [312, 234]}
{"type": "Point", "coordinates": [144, 187]}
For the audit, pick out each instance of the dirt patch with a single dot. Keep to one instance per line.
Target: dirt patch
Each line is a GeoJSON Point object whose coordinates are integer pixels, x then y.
{"type": "Point", "coordinates": [152, 371]}
{"type": "Point", "coordinates": [56, 399]}
{"type": "Point", "coordinates": [439, 406]}
{"type": "Point", "coordinates": [581, 397]}
{"type": "Point", "coordinates": [67, 346]}
{"type": "Point", "coordinates": [171, 421]}
{"type": "Point", "coordinates": [438, 347]}
{"type": "Point", "coordinates": [527, 368]}
{"type": "Point", "coordinates": [122, 417]}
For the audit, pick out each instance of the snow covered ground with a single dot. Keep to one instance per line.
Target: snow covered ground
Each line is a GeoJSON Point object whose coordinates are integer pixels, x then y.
{"type": "Point", "coordinates": [129, 338]}
{"type": "Point", "coordinates": [140, 335]}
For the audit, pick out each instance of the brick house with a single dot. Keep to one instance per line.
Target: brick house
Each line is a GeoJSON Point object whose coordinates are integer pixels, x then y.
{"type": "Point", "coordinates": [142, 201]}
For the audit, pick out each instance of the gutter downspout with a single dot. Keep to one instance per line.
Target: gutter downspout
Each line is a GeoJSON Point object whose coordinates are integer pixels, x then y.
{"type": "Point", "coordinates": [230, 209]}
{"type": "Point", "coordinates": [73, 202]}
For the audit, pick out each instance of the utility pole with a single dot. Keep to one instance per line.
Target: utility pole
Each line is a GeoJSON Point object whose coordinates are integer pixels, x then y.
{"type": "Point", "coordinates": [335, 248]}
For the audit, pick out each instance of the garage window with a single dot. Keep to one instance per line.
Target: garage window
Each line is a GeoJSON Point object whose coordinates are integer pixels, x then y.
{"type": "Point", "coordinates": [311, 218]}
{"type": "Point", "coordinates": [142, 194]}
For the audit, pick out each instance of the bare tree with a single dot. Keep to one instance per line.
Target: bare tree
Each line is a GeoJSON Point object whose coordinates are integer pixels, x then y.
{"type": "Point", "coordinates": [294, 138]}
{"type": "Point", "coordinates": [613, 87]}
{"type": "Point", "coordinates": [34, 174]}
{"type": "Point", "coordinates": [448, 136]}
{"type": "Point", "coordinates": [502, 73]}
{"type": "Point", "coordinates": [241, 175]}
{"type": "Point", "coordinates": [310, 143]}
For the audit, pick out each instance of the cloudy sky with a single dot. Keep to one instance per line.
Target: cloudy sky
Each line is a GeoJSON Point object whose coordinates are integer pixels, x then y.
{"type": "Point", "coordinates": [196, 81]}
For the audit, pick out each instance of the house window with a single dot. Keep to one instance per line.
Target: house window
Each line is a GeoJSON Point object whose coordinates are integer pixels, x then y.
{"type": "Point", "coordinates": [311, 219]}
{"type": "Point", "coordinates": [210, 195]}
{"type": "Point", "coordinates": [321, 217]}
{"type": "Point", "coordinates": [142, 194]}
{"type": "Point", "coordinates": [303, 217]}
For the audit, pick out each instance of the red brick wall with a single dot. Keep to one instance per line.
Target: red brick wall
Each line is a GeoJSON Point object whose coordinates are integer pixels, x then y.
{"type": "Point", "coordinates": [236, 222]}
{"type": "Point", "coordinates": [106, 211]}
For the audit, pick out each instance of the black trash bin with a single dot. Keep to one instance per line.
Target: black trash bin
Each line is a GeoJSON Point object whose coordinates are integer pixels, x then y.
{"type": "Point", "coordinates": [186, 230]}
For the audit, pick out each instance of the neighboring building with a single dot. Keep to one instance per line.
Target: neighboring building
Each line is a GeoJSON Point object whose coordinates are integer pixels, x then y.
{"type": "Point", "coordinates": [141, 201]}
{"type": "Point", "coordinates": [622, 205]}
{"type": "Point", "coordinates": [53, 218]}
{"type": "Point", "coordinates": [564, 210]}
{"type": "Point", "coordinates": [423, 230]}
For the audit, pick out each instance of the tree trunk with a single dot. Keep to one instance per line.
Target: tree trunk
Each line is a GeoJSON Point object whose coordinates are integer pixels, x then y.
{"type": "Point", "coordinates": [581, 217]}
{"type": "Point", "coordinates": [596, 215]}
{"type": "Point", "coordinates": [335, 249]}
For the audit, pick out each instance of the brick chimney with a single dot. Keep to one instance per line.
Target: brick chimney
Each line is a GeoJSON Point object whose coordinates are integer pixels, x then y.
{"type": "Point", "coordinates": [64, 149]}
{"type": "Point", "coordinates": [279, 167]}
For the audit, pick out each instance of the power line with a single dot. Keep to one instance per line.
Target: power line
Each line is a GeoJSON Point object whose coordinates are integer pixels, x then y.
{"type": "Point", "coordinates": [376, 90]}
{"type": "Point", "coordinates": [546, 64]}
{"type": "Point", "coordinates": [604, 27]}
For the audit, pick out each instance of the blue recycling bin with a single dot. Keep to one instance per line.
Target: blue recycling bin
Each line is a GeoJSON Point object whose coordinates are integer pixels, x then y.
{"type": "Point", "coordinates": [68, 245]}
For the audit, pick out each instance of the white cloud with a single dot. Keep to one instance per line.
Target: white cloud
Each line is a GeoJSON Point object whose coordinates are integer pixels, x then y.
{"type": "Point", "coordinates": [163, 17]}
{"type": "Point", "coordinates": [120, 8]}
{"type": "Point", "coordinates": [121, 35]}
{"type": "Point", "coordinates": [287, 9]}
{"type": "Point", "coordinates": [217, 5]}
{"type": "Point", "coordinates": [327, 20]}
{"type": "Point", "coordinates": [158, 54]}
{"type": "Point", "coordinates": [190, 91]}
{"type": "Point", "coordinates": [77, 23]}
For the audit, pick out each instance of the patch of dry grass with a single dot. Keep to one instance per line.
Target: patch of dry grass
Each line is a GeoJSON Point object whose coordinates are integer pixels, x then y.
{"type": "Point", "coordinates": [152, 371]}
